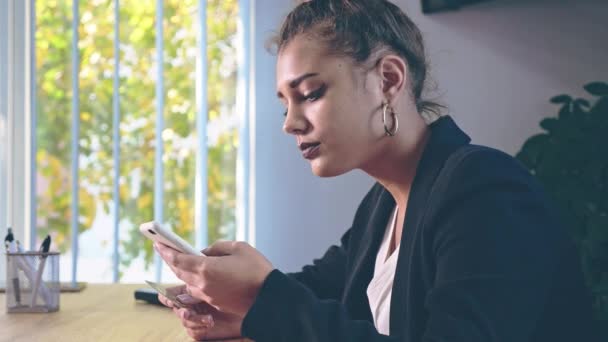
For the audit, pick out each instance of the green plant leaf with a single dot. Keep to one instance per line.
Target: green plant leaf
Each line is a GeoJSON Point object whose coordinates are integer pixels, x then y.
{"type": "Point", "coordinates": [600, 108]}
{"type": "Point", "coordinates": [597, 88]}
{"type": "Point", "coordinates": [564, 112]}
{"type": "Point", "coordinates": [582, 103]}
{"type": "Point", "coordinates": [532, 149]}
{"type": "Point", "coordinates": [549, 124]}
{"type": "Point", "coordinates": [598, 229]}
{"type": "Point", "coordinates": [570, 163]}
{"type": "Point", "coordinates": [561, 99]}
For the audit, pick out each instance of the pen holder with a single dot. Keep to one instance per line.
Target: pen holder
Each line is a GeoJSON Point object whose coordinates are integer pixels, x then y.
{"type": "Point", "coordinates": [32, 282]}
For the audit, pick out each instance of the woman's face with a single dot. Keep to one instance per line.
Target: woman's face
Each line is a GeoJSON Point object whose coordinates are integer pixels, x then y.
{"type": "Point", "coordinates": [333, 107]}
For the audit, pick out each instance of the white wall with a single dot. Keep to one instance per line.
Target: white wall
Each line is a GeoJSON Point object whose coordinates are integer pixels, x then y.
{"type": "Point", "coordinates": [297, 215]}
{"type": "Point", "coordinates": [496, 65]}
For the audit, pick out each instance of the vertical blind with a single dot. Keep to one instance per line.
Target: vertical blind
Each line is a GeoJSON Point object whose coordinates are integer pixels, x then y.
{"type": "Point", "coordinates": [201, 190]}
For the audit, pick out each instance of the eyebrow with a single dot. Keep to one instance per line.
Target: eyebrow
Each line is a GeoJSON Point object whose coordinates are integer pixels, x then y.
{"type": "Point", "coordinates": [296, 82]}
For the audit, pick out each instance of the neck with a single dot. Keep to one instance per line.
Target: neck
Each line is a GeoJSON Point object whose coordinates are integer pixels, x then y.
{"type": "Point", "coordinates": [404, 150]}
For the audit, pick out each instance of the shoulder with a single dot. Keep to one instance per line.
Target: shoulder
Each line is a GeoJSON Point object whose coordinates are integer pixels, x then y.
{"type": "Point", "coordinates": [474, 166]}
{"type": "Point", "coordinates": [486, 191]}
{"type": "Point", "coordinates": [477, 159]}
{"type": "Point", "coordinates": [482, 184]}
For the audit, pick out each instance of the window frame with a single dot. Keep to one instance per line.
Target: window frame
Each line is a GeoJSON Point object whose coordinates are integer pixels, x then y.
{"type": "Point", "coordinates": [15, 119]}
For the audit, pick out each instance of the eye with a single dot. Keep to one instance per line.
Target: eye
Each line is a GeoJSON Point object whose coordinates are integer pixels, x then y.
{"type": "Point", "coordinates": [315, 94]}
{"type": "Point", "coordinates": [285, 113]}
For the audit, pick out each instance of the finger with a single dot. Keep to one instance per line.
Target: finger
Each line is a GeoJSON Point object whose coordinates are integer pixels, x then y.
{"type": "Point", "coordinates": [176, 290]}
{"type": "Point", "coordinates": [166, 302]}
{"type": "Point", "coordinates": [221, 248]}
{"type": "Point", "coordinates": [188, 299]}
{"type": "Point", "coordinates": [195, 321]}
{"type": "Point", "coordinates": [177, 259]}
{"type": "Point", "coordinates": [195, 325]}
{"type": "Point", "coordinates": [198, 334]}
{"type": "Point", "coordinates": [184, 266]}
{"type": "Point", "coordinates": [199, 293]}
{"type": "Point", "coordinates": [191, 315]}
{"type": "Point", "coordinates": [173, 269]}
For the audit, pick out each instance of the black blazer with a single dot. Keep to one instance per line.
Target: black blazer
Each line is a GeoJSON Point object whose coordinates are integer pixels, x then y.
{"type": "Point", "coordinates": [482, 258]}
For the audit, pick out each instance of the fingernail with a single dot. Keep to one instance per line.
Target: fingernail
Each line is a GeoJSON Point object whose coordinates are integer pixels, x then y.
{"type": "Point", "coordinates": [186, 314]}
{"type": "Point", "coordinates": [207, 319]}
{"type": "Point", "coordinates": [188, 299]}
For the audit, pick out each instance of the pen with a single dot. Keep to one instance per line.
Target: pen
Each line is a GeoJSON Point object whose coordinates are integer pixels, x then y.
{"type": "Point", "coordinates": [9, 236]}
{"type": "Point", "coordinates": [44, 248]}
{"type": "Point", "coordinates": [9, 243]}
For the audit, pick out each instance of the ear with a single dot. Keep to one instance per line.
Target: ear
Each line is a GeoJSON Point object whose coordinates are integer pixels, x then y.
{"type": "Point", "coordinates": [393, 73]}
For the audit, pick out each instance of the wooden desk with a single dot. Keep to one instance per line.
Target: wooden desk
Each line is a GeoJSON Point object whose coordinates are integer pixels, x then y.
{"type": "Point", "coordinates": [99, 313]}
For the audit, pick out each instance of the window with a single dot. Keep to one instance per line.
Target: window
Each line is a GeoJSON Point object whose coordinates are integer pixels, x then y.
{"type": "Point", "coordinates": [126, 138]}
{"type": "Point", "coordinates": [3, 120]}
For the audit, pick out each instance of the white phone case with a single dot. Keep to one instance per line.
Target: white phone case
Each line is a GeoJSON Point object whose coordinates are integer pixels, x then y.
{"type": "Point", "coordinates": [156, 232]}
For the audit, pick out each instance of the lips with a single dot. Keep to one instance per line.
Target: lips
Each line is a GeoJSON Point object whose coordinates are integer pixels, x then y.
{"type": "Point", "coordinates": [310, 150]}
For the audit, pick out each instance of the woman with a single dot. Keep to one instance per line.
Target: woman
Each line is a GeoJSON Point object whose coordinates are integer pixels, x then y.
{"type": "Point", "coordinates": [454, 242]}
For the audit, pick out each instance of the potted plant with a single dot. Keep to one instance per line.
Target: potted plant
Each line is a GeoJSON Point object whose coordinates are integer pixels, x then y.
{"type": "Point", "coordinates": [571, 161]}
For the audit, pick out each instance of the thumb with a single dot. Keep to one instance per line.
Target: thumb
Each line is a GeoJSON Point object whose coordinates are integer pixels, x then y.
{"type": "Point", "coordinates": [220, 248]}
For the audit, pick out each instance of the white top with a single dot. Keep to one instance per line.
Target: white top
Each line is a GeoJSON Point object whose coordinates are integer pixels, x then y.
{"type": "Point", "coordinates": [380, 288]}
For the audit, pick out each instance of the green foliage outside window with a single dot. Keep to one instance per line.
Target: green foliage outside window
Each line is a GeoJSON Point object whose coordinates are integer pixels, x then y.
{"type": "Point", "coordinates": [138, 117]}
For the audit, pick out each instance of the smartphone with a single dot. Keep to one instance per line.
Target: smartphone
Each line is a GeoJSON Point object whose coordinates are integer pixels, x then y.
{"type": "Point", "coordinates": [156, 232]}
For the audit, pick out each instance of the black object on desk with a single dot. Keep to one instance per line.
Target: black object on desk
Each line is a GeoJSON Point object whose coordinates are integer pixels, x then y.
{"type": "Point", "coordinates": [147, 295]}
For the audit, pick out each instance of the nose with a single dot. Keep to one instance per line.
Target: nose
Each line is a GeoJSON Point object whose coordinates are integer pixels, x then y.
{"type": "Point", "coordinates": [295, 122]}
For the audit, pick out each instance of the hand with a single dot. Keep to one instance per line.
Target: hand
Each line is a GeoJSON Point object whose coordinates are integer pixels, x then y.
{"type": "Point", "coordinates": [201, 320]}
{"type": "Point", "coordinates": [229, 277]}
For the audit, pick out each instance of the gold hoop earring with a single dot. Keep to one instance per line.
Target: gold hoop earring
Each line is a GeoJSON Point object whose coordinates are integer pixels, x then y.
{"type": "Point", "coordinates": [385, 107]}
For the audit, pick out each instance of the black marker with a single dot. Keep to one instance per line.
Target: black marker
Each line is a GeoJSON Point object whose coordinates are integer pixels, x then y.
{"type": "Point", "coordinates": [9, 243]}
{"type": "Point", "coordinates": [44, 248]}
